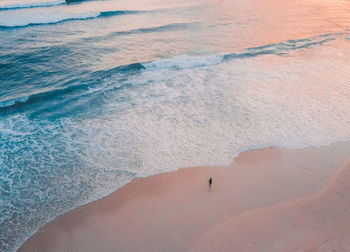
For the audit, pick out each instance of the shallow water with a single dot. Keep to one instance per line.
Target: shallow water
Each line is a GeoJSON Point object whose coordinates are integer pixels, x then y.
{"type": "Point", "coordinates": [96, 93]}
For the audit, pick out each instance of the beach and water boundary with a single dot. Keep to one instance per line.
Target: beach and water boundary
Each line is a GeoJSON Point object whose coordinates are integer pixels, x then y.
{"type": "Point", "coordinates": [261, 202]}
{"type": "Point", "coordinates": [96, 94]}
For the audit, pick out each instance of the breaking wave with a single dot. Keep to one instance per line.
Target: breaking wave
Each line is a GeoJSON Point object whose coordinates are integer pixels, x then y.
{"type": "Point", "coordinates": [51, 18]}
{"type": "Point", "coordinates": [175, 63]}
{"type": "Point", "coordinates": [32, 5]}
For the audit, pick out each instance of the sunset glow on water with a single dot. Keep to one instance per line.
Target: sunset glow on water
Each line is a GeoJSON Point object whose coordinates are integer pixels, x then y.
{"type": "Point", "coordinates": [96, 93]}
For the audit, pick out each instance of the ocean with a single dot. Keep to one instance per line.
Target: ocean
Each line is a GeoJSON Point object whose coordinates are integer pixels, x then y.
{"type": "Point", "coordinates": [96, 93]}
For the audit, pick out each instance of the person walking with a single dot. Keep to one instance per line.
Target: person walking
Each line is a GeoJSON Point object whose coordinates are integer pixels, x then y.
{"type": "Point", "coordinates": [210, 181]}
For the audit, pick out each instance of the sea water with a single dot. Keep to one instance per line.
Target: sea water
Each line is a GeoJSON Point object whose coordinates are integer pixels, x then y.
{"type": "Point", "coordinates": [96, 93]}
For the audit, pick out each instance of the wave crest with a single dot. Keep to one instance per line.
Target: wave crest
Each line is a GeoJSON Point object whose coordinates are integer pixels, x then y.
{"type": "Point", "coordinates": [32, 5]}
{"type": "Point", "coordinates": [50, 18]}
{"type": "Point", "coordinates": [73, 86]}
{"type": "Point", "coordinates": [175, 63]}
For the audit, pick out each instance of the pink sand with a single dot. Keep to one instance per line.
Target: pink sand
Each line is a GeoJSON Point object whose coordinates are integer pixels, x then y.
{"type": "Point", "coordinates": [268, 200]}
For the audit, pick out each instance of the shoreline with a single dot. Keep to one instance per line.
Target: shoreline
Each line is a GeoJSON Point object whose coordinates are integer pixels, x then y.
{"type": "Point", "coordinates": [172, 211]}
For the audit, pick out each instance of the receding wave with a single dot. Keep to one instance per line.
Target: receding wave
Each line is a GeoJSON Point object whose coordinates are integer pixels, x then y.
{"type": "Point", "coordinates": [174, 63]}
{"type": "Point", "coordinates": [32, 5]}
{"type": "Point", "coordinates": [59, 18]}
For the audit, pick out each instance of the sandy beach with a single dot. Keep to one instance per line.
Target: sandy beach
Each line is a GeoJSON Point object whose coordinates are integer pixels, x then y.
{"type": "Point", "coordinates": [266, 200]}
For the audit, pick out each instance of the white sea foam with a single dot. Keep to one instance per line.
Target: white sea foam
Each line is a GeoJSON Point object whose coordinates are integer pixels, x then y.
{"type": "Point", "coordinates": [205, 116]}
{"type": "Point", "coordinates": [183, 62]}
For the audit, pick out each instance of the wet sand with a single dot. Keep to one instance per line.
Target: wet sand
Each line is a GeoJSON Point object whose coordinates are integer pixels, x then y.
{"type": "Point", "coordinates": [266, 200]}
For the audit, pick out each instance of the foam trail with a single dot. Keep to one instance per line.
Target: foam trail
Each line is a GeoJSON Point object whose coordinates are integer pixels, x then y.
{"type": "Point", "coordinates": [168, 27]}
{"type": "Point", "coordinates": [32, 5]}
{"type": "Point", "coordinates": [283, 47]}
{"type": "Point", "coordinates": [45, 19]}
{"type": "Point", "coordinates": [183, 62]}
{"type": "Point", "coordinates": [14, 21]}
{"type": "Point", "coordinates": [157, 29]}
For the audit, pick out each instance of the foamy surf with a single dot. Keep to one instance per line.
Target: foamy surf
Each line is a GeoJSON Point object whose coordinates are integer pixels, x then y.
{"type": "Point", "coordinates": [179, 62]}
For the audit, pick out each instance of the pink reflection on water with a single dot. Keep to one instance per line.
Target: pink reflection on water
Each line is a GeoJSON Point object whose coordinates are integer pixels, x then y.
{"type": "Point", "coordinates": [255, 23]}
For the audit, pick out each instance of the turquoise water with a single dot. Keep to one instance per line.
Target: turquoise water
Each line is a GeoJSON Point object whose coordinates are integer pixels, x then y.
{"type": "Point", "coordinates": [96, 93]}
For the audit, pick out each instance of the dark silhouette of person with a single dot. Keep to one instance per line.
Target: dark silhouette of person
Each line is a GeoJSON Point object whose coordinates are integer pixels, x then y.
{"type": "Point", "coordinates": [210, 181]}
